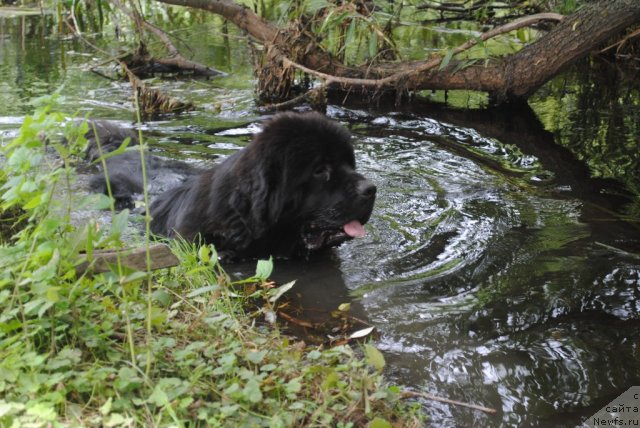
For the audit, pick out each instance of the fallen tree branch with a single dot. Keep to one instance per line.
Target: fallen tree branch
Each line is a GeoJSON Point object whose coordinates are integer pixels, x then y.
{"type": "Point", "coordinates": [412, 394]}
{"type": "Point", "coordinates": [514, 76]}
{"type": "Point", "coordinates": [429, 64]}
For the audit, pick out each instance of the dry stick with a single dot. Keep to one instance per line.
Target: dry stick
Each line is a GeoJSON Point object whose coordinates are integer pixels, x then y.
{"type": "Point", "coordinates": [427, 65]}
{"type": "Point", "coordinates": [408, 394]}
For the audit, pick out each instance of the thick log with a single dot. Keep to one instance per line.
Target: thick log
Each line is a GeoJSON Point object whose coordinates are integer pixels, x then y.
{"type": "Point", "coordinates": [514, 76]}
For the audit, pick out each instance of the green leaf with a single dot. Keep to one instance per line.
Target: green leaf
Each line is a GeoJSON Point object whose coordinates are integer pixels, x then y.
{"type": "Point", "coordinates": [204, 254]}
{"type": "Point", "coordinates": [106, 407]}
{"type": "Point", "coordinates": [268, 368]}
{"type": "Point", "coordinates": [378, 422]}
{"type": "Point", "coordinates": [315, 5]}
{"type": "Point", "coordinates": [119, 222]}
{"type": "Point", "coordinates": [158, 316]}
{"type": "Point", "coordinates": [276, 293]}
{"type": "Point", "coordinates": [373, 44]}
{"type": "Point", "coordinates": [127, 379]}
{"type": "Point", "coordinates": [256, 357]}
{"type": "Point", "coordinates": [42, 410]}
{"type": "Point", "coordinates": [326, 22]}
{"type": "Point", "coordinates": [10, 408]}
{"type": "Point", "coordinates": [162, 297]}
{"type": "Point", "coordinates": [67, 357]}
{"type": "Point", "coordinates": [344, 307]}
{"type": "Point", "coordinates": [252, 391]}
{"type": "Point", "coordinates": [446, 59]}
{"type": "Point", "coordinates": [132, 277]}
{"type": "Point", "coordinates": [374, 357]}
{"type": "Point", "coordinates": [185, 402]}
{"type": "Point", "coordinates": [117, 151]}
{"type": "Point", "coordinates": [264, 269]}
{"type": "Point", "coordinates": [117, 420]}
{"type": "Point", "coordinates": [293, 386]}
{"type": "Point", "coordinates": [229, 410]}
{"type": "Point", "coordinates": [96, 201]}
{"type": "Point", "coordinates": [203, 290]}
{"type": "Point", "coordinates": [297, 406]}
{"type": "Point", "coordinates": [522, 35]}
{"type": "Point", "coordinates": [351, 34]}
{"type": "Point", "coordinates": [330, 380]}
{"type": "Point", "coordinates": [158, 397]}
{"type": "Point", "coordinates": [314, 355]}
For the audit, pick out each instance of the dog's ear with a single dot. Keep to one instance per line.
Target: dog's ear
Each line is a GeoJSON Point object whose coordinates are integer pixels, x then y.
{"type": "Point", "coordinates": [270, 194]}
{"type": "Point", "coordinates": [278, 193]}
{"type": "Point", "coordinates": [260, 196]}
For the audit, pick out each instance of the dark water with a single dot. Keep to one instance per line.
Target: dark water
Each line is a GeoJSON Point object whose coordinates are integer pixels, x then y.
{"type": "Point", "coordinates": [502, 263]}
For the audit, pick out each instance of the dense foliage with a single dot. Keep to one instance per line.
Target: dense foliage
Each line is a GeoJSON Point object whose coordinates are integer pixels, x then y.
{"type": "Point", "coordinates": [151, 349]}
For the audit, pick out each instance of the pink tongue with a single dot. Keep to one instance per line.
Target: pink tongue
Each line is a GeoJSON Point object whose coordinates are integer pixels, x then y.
{"type": "Point", "coordinates": [354, 229]}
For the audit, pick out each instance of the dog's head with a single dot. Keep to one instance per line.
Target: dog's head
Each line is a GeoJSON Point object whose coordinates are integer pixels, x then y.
{"type": "Point", "coordinates": [308, 187]}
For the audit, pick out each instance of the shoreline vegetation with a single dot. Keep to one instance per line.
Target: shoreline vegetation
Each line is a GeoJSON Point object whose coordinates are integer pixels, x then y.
{"type": "Point", "coordinates": [172, 347]}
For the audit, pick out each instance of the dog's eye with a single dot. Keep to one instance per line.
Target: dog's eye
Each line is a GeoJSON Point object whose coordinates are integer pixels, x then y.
{"type": "Point", "coordinates": [322, 172]}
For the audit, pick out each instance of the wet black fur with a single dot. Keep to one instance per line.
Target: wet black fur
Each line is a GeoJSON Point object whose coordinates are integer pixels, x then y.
{"type": "Point", "coordinates": [295, 181]}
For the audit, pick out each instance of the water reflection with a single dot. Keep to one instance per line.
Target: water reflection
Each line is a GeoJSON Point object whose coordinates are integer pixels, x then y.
{"type": "Point", "coordinates": [490, 285]}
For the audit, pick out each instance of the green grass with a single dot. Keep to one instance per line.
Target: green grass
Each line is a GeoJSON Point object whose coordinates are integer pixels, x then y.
{"type": "Point", "coordinates": [180, 347]}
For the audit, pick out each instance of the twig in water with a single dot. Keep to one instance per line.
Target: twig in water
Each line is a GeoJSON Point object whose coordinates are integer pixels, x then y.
{"type": "Point", "coordinates": [411, 394]}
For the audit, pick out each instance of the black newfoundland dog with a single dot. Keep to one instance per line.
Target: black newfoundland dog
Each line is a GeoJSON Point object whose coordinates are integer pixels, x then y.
{"type": "Point", "coordinates": [292, 191]}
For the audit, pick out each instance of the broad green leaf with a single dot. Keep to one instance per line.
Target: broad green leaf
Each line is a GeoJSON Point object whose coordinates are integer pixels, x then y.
{"type": "Point", "coordinates": [106, 407]}
{"type": "Point", "coordinates": [276, 293]}
{"type": "Point", "coordinates": [132, 277]}
{"type": "Point", "coordinates": [204, 254]}
{"type": "Point", "coordinates": [256, 357]}
{"type": "Point", "coordinates": [43, 410]}
{"type": "Point", "coordinates": [264, 269]}
{"type": "Point", "coordinates": [378, 422]}
{"type": "Point", "coordinates": [293, 386]}
{"type": "Point", "coordinates": [158, 316]}
{"type": "Point", "coordinates": [117, 420]}
{"type": "Point", "coordinates": [446, 59]}
{"type": "Point", "coordinates": [158, 397]}
{"type": "Point", "coordinates": [119, 150]}
{"type": "Point", "coordinates": [96, 201]}
{"type": "Point", "coordinates": [119, 222]}
{"type": "Point", "coordinates": [374, 357]}
{"type": "Point", "coordinates": [315, 5]}
{"type": "Point", "coordinates": [203, 290]}
{"type": "Point", "coordinates": [252, 391]}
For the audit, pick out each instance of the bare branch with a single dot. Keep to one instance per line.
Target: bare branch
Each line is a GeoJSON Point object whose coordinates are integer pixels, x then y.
{"type": "Point", "coordinates": [407, 394]}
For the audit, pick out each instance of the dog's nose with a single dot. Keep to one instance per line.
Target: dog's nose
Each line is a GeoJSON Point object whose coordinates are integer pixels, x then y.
{"type": "Point", "coordinates": [366, 189]}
